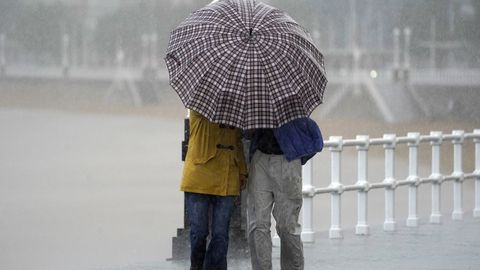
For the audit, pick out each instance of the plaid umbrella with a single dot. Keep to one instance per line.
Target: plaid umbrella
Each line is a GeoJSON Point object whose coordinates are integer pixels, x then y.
{"type": "Point", "coordinates": [246, 64]}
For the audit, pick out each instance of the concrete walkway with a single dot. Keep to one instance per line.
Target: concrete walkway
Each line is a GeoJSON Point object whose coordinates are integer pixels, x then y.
{"type": "Point", "coordinates": [81, 191]}
{"type": "Point", "coordinates": [452, 245]}
{"type": "Point", "coordinates": [449, 246]}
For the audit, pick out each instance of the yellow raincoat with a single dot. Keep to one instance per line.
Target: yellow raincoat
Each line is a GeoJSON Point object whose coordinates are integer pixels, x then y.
{"type": "Point", "coordinates": [214, 159]}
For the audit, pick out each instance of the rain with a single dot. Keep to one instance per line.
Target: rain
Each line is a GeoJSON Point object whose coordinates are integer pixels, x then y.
{"type": "Point", "coordinates": [91, 131]}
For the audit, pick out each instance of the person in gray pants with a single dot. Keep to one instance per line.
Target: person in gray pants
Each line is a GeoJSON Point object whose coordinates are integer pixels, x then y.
{"type": "Point", "coordinates": [275, 187]}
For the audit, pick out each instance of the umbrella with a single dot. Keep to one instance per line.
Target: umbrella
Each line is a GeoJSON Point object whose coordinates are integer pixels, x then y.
{"type": "Point", "coordinates": [246, 64]}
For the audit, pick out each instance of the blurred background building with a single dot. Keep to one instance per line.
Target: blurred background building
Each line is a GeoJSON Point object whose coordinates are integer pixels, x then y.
{"type": "Point", "coordinates": [446, 28]}
{"type": "Point", "coordinates": [398, 52]}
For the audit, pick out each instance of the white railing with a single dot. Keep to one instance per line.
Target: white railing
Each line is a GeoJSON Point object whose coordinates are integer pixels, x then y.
{"type": "Point", "coordinates": [363, 186]}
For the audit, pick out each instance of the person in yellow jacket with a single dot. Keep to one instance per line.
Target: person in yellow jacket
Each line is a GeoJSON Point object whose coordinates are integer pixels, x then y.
{"type": "Point", "coordinates": [213, 175]}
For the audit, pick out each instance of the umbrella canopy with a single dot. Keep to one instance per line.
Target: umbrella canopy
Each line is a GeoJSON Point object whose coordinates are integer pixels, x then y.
{"type": "Point", "coordinates": [246, 64]}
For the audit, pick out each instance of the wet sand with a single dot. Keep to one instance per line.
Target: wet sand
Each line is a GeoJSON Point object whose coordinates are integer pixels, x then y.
{"type": "Point", "coordinates": [86, 184]}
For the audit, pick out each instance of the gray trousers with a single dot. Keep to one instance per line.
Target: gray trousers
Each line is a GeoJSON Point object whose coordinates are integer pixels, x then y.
{"type": "Point", "coordinates": [274, 184]}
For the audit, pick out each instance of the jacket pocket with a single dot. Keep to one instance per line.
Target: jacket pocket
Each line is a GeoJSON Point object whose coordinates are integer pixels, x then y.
{"type": "Point", "coordinates": [204, 154]}
{"type": "Point", "coordinates": [204, 149]}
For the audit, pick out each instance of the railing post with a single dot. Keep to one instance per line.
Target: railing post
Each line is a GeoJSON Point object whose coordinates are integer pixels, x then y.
{"type": "Point", "coordinates": [145, 52]}
{"type": "Point", "coordinates": [336, 151]}
{"type": "Point", "coordinates": [457, 213]}
{"type": "Point", "coordinates": [362, 227]}
{"type": "Point", "coordinates": [65, 55]}
{"type": "Point", "coordinates": [407, 32]}
{"type": "Point", "coordinates": [396, 54]}
{"type": "Point", "coordinates": [308, 236]}
{"type": "Point", "coordinates": [389, 224]}
{"type": "Point", "coordinates": [476, 212]}
{"type": "Point", "coordinates": [412, 220]}
{"type": "Point", "coordinates": [275, 239]}
{"type": "Point", "coordinates": [436, 216]}
{"type": "Point", "coordinates": [153, 51]}
{"type": "Point", "coordinates": [3, 58]}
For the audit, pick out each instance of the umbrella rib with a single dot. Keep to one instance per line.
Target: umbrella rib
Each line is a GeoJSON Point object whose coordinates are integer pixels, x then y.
{"type": "Point", "coordinates": [237, 55]}
{"type": "Point", "coordinates": [215, 14]}
{"type": "Point", "coordinates": [245, 10]}
{"type": "Point", "coordinates": [276, 22]}
{"type": "Point", "coordinates": [264, 11]}
{"type": "Point", "coordinates": [291, 63]}
{"type": "Point", "coordinates": [176, 80]}
{"type": "Point", "coordinates": [315, 51]}
{"type": "Point", "coordinates": [279, 17]}
{"type": "Point", "coordinates": [182, 27]}
{"type": "Point", "coordinates": [226, 10]}
{"type": "Point", "coordinates": [196, 39]}
{"type": "Point", "coordinates": [193, 59]}
{"type": "Point", "coordinates": [302, 52]}
{"type": "Point", "coordinates": [269, 82]}
{"type": "Point", "coordinates": [295, 30]}
{"type": "Point", "coordinates": [227, 30]}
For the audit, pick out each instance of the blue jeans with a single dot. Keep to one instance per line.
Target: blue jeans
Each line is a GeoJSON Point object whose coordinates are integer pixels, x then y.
{"type": "Point", "coordinates": [215, 256]}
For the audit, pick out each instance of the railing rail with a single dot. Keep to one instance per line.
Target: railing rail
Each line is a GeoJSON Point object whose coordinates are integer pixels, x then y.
{"type": "Point", "coordinates": [390, 142]}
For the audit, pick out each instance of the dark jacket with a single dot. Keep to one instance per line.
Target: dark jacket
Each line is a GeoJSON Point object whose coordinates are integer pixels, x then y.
{"type": "Point", "coordinates": [299, 139]}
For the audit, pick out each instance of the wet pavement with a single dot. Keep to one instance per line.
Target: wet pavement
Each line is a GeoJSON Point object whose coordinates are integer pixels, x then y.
{"type": "Point", "coordinates": [449, 246]}
{"type": "Point", "coordinates": [452, 245]}
{"type": "Point", "coordinates": [62, 208]}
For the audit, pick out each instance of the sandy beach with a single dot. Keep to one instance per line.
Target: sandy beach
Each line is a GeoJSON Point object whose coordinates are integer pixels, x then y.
{"type": "Point", "coordinates": [88, 185]}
